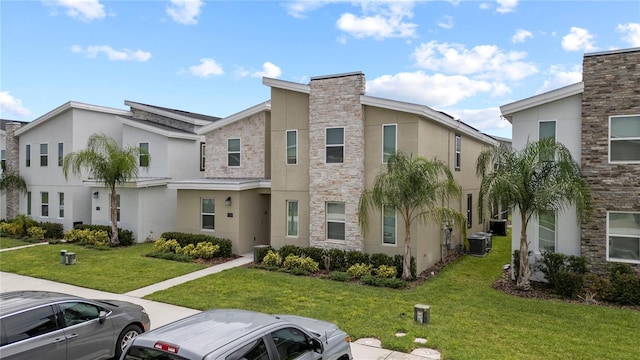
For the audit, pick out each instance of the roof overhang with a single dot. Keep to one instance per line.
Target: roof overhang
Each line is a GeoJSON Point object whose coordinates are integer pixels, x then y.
{"type": "Point", "coordinates": [264, 106]}
{"type": "Point", "coordinates": [139, 183]}
{"type": "Point", "coordinates": [554, 95]}
{"type": "Point", "coordinates": [220, 184]}
{"type": "Point", "coordinates": [155, 130]}
{"type": "Point", "coordinates": [286, 85]}
{"type": "Point", "coordinates": [169, 114]}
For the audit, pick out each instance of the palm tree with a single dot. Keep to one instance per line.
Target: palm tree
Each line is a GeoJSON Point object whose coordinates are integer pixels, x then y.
{"type": "Point", "coordinates": [108, 164]}
{"type": "Point", "coordinates": [10, 182]}
{"type": "Point", "coordinates": [541, 178]}
{"type": "Point", "coordinates": [418, 189]}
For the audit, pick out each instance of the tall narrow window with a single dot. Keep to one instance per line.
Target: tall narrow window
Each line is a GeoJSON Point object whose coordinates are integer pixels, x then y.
{"type": "Point", "coordinates": [202, 158]}
{"type": "Point", "coordinates": [27, 154]}
{"type": "Point", "coordinates": [458, 161]}
{"type": "Point", "coordinates": [624, 139]}
{"type": "Point", "coordinates": [292, 218]}
{"type": "Point", "coordinates": [61, 205]}
{"type": "Point", "coordinates": [144, 154]}
{"type": "Point", "coordinates": [3, 158]}
{"type": "Point", "coordinates": [44, 154]}
{"type": "Point", "coordinates": [334, 142]}
{"type": "Point", "coordinates": [208, 214]}
{"type": "Point", "coordinates": [28, 202]}
{"type": "Point", "coordinates": [117, 208]}
{"type": "Point", "coordinates": [292, 147]}
{"type": "Point", "coordinates": [623, 234]}
{"type": "Point", "coordinates": [389, 141]}
{"type": "Point", "coordinates": [469, 210]}
{"type": "Point", "coordinates": [233, 152]}
{"type": "Point", "coordinates": [388, 225]}
{"type": "Point", "coordinates": [547, 231]}
{"type": "Point", "coordinates": [44, 204]}
{"type": "Point", "coordinates": [60, 153]}
{"type": "Point", "coordinates": [335, 221]}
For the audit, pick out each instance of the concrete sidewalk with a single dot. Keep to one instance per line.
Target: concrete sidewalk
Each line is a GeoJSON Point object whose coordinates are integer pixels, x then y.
{"type": "Point", "coordinates": [161, 313]}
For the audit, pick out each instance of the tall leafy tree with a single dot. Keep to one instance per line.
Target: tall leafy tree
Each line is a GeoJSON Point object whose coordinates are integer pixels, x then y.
{"type": "Point", "coordinates": [11, 181]}
{"type": "Point", "coordinates": [542, 177]}
{"type": "Point", "coordinates": [419, 189]}
{"type": "Point", "coordinates": [109, 164]}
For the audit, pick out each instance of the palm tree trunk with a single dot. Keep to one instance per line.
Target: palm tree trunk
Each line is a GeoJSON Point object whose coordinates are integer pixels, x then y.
{"type": "Point", "coordinates": [114, 219]}
{"type": "Point", "coordinates": [524, 271]}
{"type": "Point", "coordinates": [406, 260]}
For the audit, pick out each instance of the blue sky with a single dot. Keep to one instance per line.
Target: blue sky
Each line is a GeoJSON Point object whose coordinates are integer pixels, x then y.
{"type": "Point", "coordinates": [465, 58]}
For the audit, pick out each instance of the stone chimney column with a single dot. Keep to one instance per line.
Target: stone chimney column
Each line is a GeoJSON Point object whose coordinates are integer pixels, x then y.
{"type": "Point", "coordinates": [12, 162]}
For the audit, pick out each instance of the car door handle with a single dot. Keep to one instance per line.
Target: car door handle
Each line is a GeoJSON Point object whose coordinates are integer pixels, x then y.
{"type": "Point", "coordinates": [72, 336]}
{"type": "Point", "coordinates": [58, 340]}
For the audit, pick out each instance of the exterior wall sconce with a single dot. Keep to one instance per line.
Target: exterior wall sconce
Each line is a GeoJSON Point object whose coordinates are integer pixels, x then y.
{"type": "Point", "coordinates": [228, 201]}
{"type": "Point", "coordinates": [96, 194]}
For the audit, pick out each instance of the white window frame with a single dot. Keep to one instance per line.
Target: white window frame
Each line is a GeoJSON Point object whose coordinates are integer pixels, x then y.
{"type": "Point", "coordinates": [609, 234]}
{"type": "Point", "coordinates": [239, 152]}
{"type": "Point", "coordinates": [27, 154]}
{"type": "Point", "coordinates": [609, 140]}
{"type": "Point", "coordinates": [288, 146]}
{"type": "Point", "coordinates": [458, 152]}
{"type": "Point", "coordinates": [44, 156]}
{"type": "Point", "coordinates": [554, 230]}
{"type": "Point", "coordinates": [61, 205]}
{"type": "Point", "coordinates": [142, 156]}
{"type": "Point", "coordinates": [328, 220]}
{"type": "Point", "coordinates": [293, 219]}
{"type": "Point", "coordinates": [44, 205]}
{"type": "Point", "coordinates": [555, 128]}
{"type": "Point", "coordinates": [327, 145]}
{"type": "Point", "coordinates": [203, 214]}
{"type": "Point", "coordinates": [60, 153]}
{"type": "Point", "coordinates": [203, 147]}
{"type": "Point", "coordinates": [386, 155]}
{"type": "Point", "coordinates": [395, 227]}
{"type": "Point", "coordinates": [29, 203]}
{"type": "Point", "coordinates": [3, 158]}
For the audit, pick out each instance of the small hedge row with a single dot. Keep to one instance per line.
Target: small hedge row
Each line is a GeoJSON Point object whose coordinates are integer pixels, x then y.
{"type": "Point", "coordinates": [20, 229]}
{"type": "Point", "coordinates": [124, 236]}
{"type": "Point", "coordinates": [339, 260]}
{"type": "Point", "coordinates": [185, 239]}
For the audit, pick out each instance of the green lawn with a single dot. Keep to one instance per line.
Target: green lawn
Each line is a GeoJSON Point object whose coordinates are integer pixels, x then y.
{"type": "Point", "coordinates": [116, 270]}
{"type": "Point", "coordinates": [469, 319]}
{"type": "Point", "coordinates": [9, 243]}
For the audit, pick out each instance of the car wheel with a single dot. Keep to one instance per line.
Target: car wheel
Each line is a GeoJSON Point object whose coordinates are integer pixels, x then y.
{"type": "Point", "coordinates": [125, 337]}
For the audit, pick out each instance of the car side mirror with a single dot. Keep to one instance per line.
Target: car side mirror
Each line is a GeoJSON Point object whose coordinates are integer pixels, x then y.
{"type": "Point", "coordinates": [102, 317]}
{"type": "Point", "coordinates": [316, 346]}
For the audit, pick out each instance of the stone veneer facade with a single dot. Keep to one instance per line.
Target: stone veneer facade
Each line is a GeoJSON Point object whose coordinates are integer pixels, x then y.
{"type": "Point", "coordinates": [251, 132]}
{"type": "Point", "coordinates": [334, 101]}
{"type": "Point", "coordinates": [12, 162]}
{"type": "Point", "coordinates": [611, 87]}
{"type": "Point", "coordinates": [163, 120]}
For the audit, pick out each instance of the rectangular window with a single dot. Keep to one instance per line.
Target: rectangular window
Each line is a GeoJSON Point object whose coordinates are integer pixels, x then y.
{"type": "Point", "coordinates": [292, 147]}
{"type": "Point", "coordinates": [208, 214]}
{"type": "Point", "coordinates": [292, 218]}
{"type": "Point", "coordinates": [60, 153]}
{"type": "Point", "coordinates": [469, 210]}
{"type": "Point", "coordinates": [233, 152]}
{"type": "Point", "coordinates": [624, 139]}
{"type": "Point", "coordinates": [388, 225]}
{"type": "Point", "coordinates": [27, 153]}
{"type": "Point", "coordinates": [334, 142]}
{"type": "Point", "coordinates": [61, 205]}
{"type": "Point", "coordinates": [117, 208]}
{"type": "Point", "coordinates": [335, 221]}
{"type": "Point", "coordinates": [623, 234]}
{"type": "Point", "coordinates": [202, 158]}
{"type": "Point", "coordinates": [28, 202]}
{"type": "Point", "coordinates": [44, 154]}
{"type": "Point", "coordinates": [547, 231]}
{"type": "Point", "coordinates": [144, 154]}
{"type": "Point", "coordinates": [3, 159]}
{"type": "Point", "coordinates": [547, 129]}
{"type": "Point", "coordinates": [458, 152]}
{"type": "Point", "coordinates": [389, 141]}
{"type": "Point", "coordinates": [44, 204]}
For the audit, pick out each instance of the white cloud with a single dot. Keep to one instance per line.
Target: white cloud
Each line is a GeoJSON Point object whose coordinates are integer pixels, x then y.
{"type": "Point", "coordinates": [561, 77]}
{"type": "Point", "coordinates": [268, 70]}
{"type": "Point", "coordinates": [185, 12]}
{"type": "Point", "coordinates": [206, 68]}
{"type": "Point", "coordinates": [380, 20]}
{"type": "Point", "coordinates": [506, 6]}
{"type": "Point", "coordinates": [432, 90]}
{"type": "Point", "coordinates": [578, 39]}
{"type": "Point", "coordinates": [520, 36]}
{"type": "Point", "coordinates": [484, 61]}
{"type": "Point", "coordinates": [446, 22]}
{"type": "Point", "coordinates": [631, 33]}
{"type": "Point", "coordinates": [299, 9]}
{"type": "Point", "coordinates": [487, 120]}
{"type": "Point", "coordinates": [112, 54]}
{"type": "Point", "coordinates": [85, 10]}
{"type": "Point", "coordinates": [12, 105]}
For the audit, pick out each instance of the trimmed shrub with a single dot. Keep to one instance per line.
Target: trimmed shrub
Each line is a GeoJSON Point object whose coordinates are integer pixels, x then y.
{"type": "Point", "coordinates": [380, 259]}
{"type": "Point", "coordinates": [339, 276]}
{"type": "Point", "coordinates": [170, 256]}
{"type": "Point", "coordinates": [287, 250]}
{"type": "Point", "coordinates": [8, 229]}
{"type": "Point", "coordinates": [187, 250]}
{"type": "Point", "coordinates": [36, 233]}
{"type": "Point", "coordinates": [272, 259]}
{"type": "Point", "coordinates": [337, 259]}
{"type": "Point", "coordinates": [163, 245]}
{"type": "Point", "coordinates": [261, 253]}
{"type": "Point", "coordinates": [568, 283]}
{"type": "Point", "coordinates": [353, 257]}
{"type": "Point", "coordinates": [52, 230]}
{"type": "Point", "coordinates": [87, 237]}
{"type": "Point", "coordinates": [359, 270]}
{"type": "Point", "coordinates": [624, 285]}
{"type": "Point", "coordinates": [385, 272]}
{"type": "Point", "coordinates": [124, 236]}
{"type": "Point", "coordinates": [398, 263]}
{"type": "Point", "coordinates": [205, 250]}
{"type": "Point", "coordinates": [317, 254]}
{"type": "Point", "coordinates": [292, 262]}
{"type": "Point", "coordinates": [185, 238]}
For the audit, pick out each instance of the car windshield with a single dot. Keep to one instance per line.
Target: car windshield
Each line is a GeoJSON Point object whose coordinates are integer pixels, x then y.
{"type": "Point", "coordinates": [142, 353]}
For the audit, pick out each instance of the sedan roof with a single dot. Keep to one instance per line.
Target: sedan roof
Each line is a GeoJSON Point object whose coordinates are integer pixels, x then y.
{"type": "Point", "coordinates": [13, 301]}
